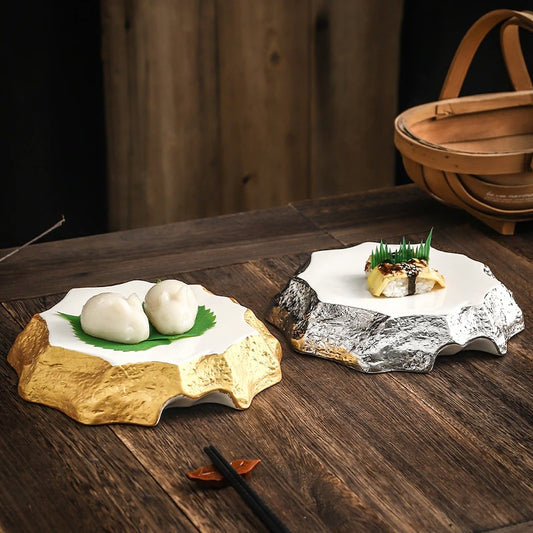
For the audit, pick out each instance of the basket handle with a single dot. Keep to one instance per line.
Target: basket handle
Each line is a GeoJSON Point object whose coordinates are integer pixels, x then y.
{"type": "Point", "coordinates": [512, 53]}
{"type": "Point", "coordinates": [512, 50]}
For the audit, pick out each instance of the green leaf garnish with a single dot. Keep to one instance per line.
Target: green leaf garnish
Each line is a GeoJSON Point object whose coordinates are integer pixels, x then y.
{"type": "Point", "coordinates": [205, 319]}
{"type": "Point", "coordinates": [383, 254]}
{"type": "Point", "coordinates": [380, 255]}
{"type": "Point", "coordinates": [422, 252]}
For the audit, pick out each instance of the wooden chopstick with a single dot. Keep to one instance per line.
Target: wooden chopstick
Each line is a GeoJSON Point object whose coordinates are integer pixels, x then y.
{"type": "Point", "coordinates": [252, 499]}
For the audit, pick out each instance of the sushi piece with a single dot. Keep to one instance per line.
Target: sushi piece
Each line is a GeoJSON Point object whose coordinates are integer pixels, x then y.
{"type": "Point", "coordinates": [403, 279]}
{"type": "Point", "coordinates": [402, 273]}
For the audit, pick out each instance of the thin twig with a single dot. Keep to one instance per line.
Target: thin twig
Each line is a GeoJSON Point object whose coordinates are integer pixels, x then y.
{"type": "Point", "coordinates": [51, 228]}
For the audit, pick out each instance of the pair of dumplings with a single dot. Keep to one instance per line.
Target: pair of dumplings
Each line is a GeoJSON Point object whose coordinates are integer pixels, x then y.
{"type": "Point", "coordinates": [169, 305]}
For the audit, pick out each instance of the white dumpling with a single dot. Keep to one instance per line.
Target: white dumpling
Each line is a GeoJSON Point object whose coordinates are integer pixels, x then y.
{"type": "Point", "coordinates": [171, 307]}
{"type": "Point", "coordinates": [113, 317]}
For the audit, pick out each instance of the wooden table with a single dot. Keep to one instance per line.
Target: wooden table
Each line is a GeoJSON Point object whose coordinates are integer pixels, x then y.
{"type": "Point", "coordinates": [341, 451]}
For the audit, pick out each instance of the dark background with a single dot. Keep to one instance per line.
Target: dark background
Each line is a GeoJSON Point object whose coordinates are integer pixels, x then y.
{"type": "Point", "coordinates": [53, 156]}
{"type": "Point", "coordinates": [52, 106]}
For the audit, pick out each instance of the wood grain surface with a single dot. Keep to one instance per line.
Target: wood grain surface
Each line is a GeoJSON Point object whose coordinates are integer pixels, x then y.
{"type": "Point", "coordinates": [220, 106]}
{"type": "Point", "coordinates": [450, 450]}
{"type": "Point", "coordinates": [264, 102]}
{"type": "Point", "coordinates": [161, 96]}
{"type": "Point", "coordinates": [354, 67]}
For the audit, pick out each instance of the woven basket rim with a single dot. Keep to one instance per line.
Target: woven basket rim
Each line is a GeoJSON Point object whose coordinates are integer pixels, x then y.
{"type": "Point", "coordinates": [435, 155]}
{"type": "Point", "coordinates": [402, 127]}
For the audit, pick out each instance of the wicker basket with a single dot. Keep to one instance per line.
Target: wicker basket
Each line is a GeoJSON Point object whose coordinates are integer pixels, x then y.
{"type": "Point", "coordinates": [476, 152]}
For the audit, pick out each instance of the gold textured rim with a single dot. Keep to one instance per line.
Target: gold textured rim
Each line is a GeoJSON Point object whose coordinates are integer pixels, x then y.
{"type": "Point", "coordinates": [92, 391]}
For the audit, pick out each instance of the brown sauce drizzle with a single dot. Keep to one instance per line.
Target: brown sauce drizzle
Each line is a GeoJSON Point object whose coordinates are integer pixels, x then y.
{"type": "Point", "coordinates": [412, 268]}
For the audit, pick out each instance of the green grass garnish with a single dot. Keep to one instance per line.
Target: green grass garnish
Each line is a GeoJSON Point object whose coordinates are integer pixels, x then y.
{"type": "Point", "coordinates": [205, 319]}
{"type": "Point", "coordinates": [383, 254]}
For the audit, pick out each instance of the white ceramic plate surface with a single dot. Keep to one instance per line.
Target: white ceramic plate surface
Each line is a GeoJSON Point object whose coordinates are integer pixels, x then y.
{"type": "Point", "coordinates": [338, 277]}
{"type": "Point", "coordinates": [230, 327]}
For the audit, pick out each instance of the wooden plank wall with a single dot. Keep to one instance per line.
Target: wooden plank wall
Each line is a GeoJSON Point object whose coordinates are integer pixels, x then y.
{"type": "Point", "coordinates": [220, 106]}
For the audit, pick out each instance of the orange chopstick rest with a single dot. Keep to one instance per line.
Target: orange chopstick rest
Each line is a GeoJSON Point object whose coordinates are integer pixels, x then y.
{"type": "Point", "coordinates": [209, 476]}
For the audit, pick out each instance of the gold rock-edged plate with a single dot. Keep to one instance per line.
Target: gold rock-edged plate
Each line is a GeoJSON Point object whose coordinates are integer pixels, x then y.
{"type": "Point", "coordinates": [91, 390]}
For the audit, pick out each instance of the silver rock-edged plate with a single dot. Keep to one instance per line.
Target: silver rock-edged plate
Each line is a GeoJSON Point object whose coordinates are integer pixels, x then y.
{"type": "Point", "coordinates": [327, 310]}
